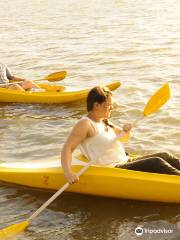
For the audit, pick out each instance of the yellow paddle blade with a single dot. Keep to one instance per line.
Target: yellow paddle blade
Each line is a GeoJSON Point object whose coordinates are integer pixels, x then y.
{"type": "Point", "coordinates": [57, 76]}
{"type": "Point", "coordinates": [9, 232]}
{"type": "Point", "coordinates": [157, 100]}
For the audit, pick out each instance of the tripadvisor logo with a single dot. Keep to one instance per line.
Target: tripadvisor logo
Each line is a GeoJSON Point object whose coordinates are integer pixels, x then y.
{"type": "Point", "coordinates": [139, 231]}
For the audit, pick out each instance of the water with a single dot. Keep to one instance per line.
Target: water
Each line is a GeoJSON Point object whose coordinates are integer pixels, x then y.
{"type": "Point", "coordinates": [136, 42]}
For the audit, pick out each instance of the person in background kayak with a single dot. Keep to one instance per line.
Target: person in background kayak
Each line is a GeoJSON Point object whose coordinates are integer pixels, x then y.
{"type": "Point", "coordinates": [95, 134]}
{"type": "Point", "coordinates": [6, 78]}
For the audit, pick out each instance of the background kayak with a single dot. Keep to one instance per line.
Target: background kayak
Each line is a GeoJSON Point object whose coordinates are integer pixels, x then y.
{"type": "Point", "coordinates": [53, 94]}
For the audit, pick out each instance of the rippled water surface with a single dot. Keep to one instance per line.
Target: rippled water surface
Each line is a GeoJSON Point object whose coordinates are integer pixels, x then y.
{"type": "Point", "coordinates": [136, 42]}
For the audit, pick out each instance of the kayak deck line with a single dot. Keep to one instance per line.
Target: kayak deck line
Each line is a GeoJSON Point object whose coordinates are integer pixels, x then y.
{"type": "Point", "coordinates": [38, 164]}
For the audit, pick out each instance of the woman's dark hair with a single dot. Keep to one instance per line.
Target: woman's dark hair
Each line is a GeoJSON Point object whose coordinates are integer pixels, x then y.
{"type": "Point", "coordinates": [99, 95]}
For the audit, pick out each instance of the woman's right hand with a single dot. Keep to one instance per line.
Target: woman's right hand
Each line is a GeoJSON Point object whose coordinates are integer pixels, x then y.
{"type": "Point", "coordinates": [71, 177]}
{"type": "Point", "coordinates": [127, 127]}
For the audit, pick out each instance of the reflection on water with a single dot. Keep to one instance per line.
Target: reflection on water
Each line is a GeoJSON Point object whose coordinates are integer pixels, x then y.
{"type": "Point", "coordinates": [74, 216]}
{"type": "Point", "coordinates": [96, 42]}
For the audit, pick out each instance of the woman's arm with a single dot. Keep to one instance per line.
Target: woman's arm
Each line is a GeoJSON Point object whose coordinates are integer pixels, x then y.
{"type": "Point", "coordinates": [78, 134]}
{"type": "Point", "coordinates": [17, 79]}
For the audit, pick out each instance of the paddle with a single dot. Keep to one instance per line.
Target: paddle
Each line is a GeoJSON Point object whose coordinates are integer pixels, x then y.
{"type": "Point", "coordinates": [53, 77]}
{"type": "Point", "coordinates": [153, 105]}
{"type": "Point", "coordinates": [19, 227]}
{"type": "Point", "coordinates": [155, 102]}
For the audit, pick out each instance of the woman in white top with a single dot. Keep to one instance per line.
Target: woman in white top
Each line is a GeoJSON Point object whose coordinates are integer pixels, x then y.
{"type": "Point", "coordinates": [96, 137]}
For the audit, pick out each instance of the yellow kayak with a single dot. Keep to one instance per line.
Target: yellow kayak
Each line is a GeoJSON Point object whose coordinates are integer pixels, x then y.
{"type": "Point", "coordinates": [99, 181]}
{"type": "Point", "coordinates": [53, 94]}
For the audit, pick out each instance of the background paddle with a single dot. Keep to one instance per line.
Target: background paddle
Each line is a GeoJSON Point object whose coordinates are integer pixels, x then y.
{"type": "Point", "coordinates": [154, 103]}
{"type": "Point", "coordinates": [53, 77]}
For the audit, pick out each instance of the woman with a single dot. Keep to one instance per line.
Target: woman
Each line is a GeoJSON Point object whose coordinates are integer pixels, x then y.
{"type": "Point", "coordinates": [6, 78]}
{"type": "Point", "coordinates": [96, 137]}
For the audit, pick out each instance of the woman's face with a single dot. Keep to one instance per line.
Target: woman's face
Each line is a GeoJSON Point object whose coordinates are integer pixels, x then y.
{"type": "Point", "coordinates": [105, 108]}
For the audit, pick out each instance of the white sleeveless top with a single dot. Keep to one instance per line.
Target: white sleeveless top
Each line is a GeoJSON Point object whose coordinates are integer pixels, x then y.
{"type": "Point", "coordinates": [102, 147]}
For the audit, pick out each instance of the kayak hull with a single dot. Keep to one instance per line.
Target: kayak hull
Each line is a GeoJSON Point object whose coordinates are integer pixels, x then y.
{"type": "Point", "coordinates": [97, 180]}
{"type": "Point", "coordinates": [53, 94]}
